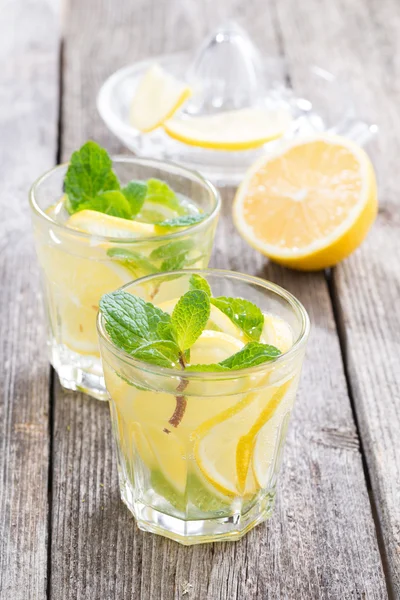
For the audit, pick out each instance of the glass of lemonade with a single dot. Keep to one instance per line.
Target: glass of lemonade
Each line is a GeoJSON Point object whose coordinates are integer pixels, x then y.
{"type": "Point", "coordinates": [82, 261]}
{"type": "Point", "coordinates": [199, 452]}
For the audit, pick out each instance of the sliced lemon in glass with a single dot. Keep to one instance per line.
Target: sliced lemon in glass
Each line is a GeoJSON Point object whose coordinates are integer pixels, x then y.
{"type": "Point", "coordinates": [97, 223]}
{"type": "Point", "coordinates": [231, 130]}
{"type": "Point", "coordinates": [277, 332]}
{"type": "Point", "coordinates": [157, 98]}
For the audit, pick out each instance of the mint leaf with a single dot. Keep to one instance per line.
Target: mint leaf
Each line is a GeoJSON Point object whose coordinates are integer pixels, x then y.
{"type": "Point", "coordinates": [184, 221]}
{"type": "Point", "coordinates": [213, 368]}
{"type": "Point", "coordinates": [197, 282]}
{"type": "Point", "coordinates": [89, 173]}
{"type": "Point", "coordinates": [163, 353]}
{"type": "Point", "coordinates": [111, 203]}
{"type": "Point", "coordinates": [171, 249]}
{"type": "Point", "coordinates": [159, 192]}
{"type": "Point", "coordinates": [165, 331]}
{"type": "Point", "coordinates": [133, 261]}
{"type": "Point", "coordinates": [190, 317]}
{"type": "Point", "coordinates": [135, 193]}
{"type": "Point", "coordinates": [246, 315]}
{"type": "Point", "coordinates": [251, 355]}
{"type": "Point", "coordinates": [174, 263]}
{"type": "Point", "coordinates": [130, 321]}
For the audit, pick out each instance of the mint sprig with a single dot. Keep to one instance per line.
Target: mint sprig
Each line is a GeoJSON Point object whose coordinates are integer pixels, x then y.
{"type": "Point", "coordinates": [243, 313]}
{"type": "Point", "coordinates": [159, 192]}
{"type": "Point", "coordinates": [89, 173]}
{"type": "Point", "coordinates": [135, 194]}
{"type": "Point", "coordinates": [133, 261]}
{"type": "Point", "coordinates": [251, 355]}
{"type": "Point", "coordinates": [149, 334]}
{"type": "Point", "coordinates": [164, 353]}
{"type": "Point", "coordinates": [197, 282]}
{"type": "Point", "coordinates": [183, 221]}
{"type": "Point", "coordinates": [130, 321]}
{"type": "Point", "coordinates": [91, 184]}
{"type": "Point", "coordinates": [190, 317]}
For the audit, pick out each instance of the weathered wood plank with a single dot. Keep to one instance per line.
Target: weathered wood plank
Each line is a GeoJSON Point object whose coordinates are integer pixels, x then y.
{"type": "Point", "coordinates": [321, 541]}
{"type": "Point", "coordinates": [28, 142]}
{"type": "Point", "coordinates": [362, 43]}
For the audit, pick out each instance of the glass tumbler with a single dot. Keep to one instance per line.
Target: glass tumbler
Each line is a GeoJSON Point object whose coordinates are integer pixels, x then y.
{"type": "Point", "coordinates": [78, 268]}
{"type": "Point", "coordinates": [199, 453]}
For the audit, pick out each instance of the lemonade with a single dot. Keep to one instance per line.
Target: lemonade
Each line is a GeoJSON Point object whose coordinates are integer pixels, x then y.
{"type": "Point", "coordinates": [201, 388]}
{"type": "Point", "coordinates": [100, 224]}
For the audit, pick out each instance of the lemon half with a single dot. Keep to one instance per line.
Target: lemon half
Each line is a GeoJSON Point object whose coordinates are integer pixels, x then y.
{"type": "Point", "coordinates": [309, 204]}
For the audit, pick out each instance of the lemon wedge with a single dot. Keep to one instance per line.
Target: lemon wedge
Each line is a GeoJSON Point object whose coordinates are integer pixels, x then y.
{"type": "Point", "coordinates": [232, 130]}
{"type": "Point", "coordinates": [158, 97]}
{"type": "Point", "coordinates": [309, 204]}
{"type": "Point", "coordinates": [97, 223]}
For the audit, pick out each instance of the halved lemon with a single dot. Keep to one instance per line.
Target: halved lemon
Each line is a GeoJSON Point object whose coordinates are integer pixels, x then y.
{"type": "Point", "coordinates": [309, 204]}
{"type": "Point", "coordinates": [158, 97]}
{"type": "Point", "coordinates": [231, 130]}
{"type": "Point", "coordinates": [97, 223]}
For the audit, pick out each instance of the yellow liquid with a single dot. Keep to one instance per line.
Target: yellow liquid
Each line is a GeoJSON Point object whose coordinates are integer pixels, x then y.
{"type": "Point", "coordinates": [225, 451]}
{"type": "Point", "coordinates": [78, 270]}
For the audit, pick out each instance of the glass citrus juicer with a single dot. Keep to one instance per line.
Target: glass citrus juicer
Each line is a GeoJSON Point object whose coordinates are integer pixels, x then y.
{"type": "Point", "coordinates": [232, 103]}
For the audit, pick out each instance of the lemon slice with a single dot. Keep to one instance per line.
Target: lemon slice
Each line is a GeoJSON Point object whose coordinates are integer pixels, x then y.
{"type": "Point", "coordinates": [216, 443]}
{"type": "Point", "coordinates": [277, 332]}
{"type": "Point", "coordinates": [269, 443]}
{"type": "Point", "coordinates": [246, 444]}
{"type": "Point", "coordinates": [214, 346]}
{"type": "Point", "coordinates": [157, 98]}
{"type": "Point", "coordinates": [232, 130]}
{"type": "Point", "coordinates": [97, 223]}
{"type": "Point", "coordinates": [310, 204]}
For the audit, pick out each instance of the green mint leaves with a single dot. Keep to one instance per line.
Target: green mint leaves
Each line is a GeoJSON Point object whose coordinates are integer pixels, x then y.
{"type": "Point", "coordinates": [196, 282]}
{"type": "Point", "coordinates": [243, 313]}
{"type": "Point", "coordinates": [190, 317]}
{"type": "Point", "coordinates": [251, 355]}
{"type": "Point", "coordinates": [159, 192]}
{"type": "Point", "coordinates": [89, 173]}
{"type": "Point", "coordinates": [130, 321]}
{"type": "Point", "coordinates": [246, 315]}
{"type": "Point", "coordinates": [155, 337]}
{"type": "Point", "coordinates": [91, 184]}
{"type": "Point", "coordinates": [184, 221]}
{"type": "Point", "coordinates": [135, 193]}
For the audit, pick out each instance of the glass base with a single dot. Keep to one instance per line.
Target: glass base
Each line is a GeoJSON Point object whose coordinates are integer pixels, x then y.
{"type": "Point", "coordinates": [199, 531]}
{"type": "Point", "coordinates": [79, 373]}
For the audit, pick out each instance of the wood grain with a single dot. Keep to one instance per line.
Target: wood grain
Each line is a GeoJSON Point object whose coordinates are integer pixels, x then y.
{"type": "Point", "coordinates": [28, 143]}
{"type": "Point", "coordinates": [321, 541]}
{"type": "Point", "coordinates": [361, 42]}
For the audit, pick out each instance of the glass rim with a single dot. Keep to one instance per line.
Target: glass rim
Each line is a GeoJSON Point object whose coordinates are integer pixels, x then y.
{"type": "Point", "coordinates": [146, 161]}
{"type": "Point", "coordinates": [206, 375]}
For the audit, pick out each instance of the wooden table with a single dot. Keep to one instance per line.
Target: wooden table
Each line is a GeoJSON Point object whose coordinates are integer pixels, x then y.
{"type": "Point", "coordinates": [64, 533]}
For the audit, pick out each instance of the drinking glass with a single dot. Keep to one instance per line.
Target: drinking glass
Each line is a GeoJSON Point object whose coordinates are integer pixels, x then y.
{"type": "Point", "coordinates": [199, 453]}
{"type": "Point", "coordinates": [78, 268]}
